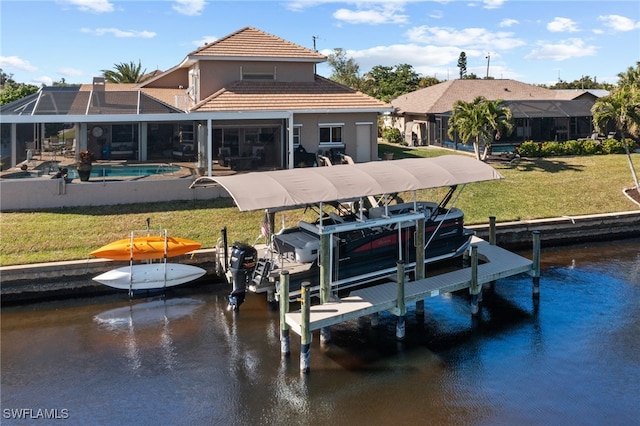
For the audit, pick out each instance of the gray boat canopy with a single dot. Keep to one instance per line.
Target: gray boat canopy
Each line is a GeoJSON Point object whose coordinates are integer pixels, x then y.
{"type": "Point", "coordinates": [293, 188]}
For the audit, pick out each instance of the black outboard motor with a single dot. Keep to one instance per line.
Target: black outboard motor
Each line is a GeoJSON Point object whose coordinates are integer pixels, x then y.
{"type": "Point", "coordinates": [243, 261]}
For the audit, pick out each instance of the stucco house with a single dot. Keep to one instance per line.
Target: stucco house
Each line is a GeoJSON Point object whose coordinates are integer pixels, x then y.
{"type": "Point", "coordinates": [539, 114]}
{"type": "Point", "coordinates": [247, 100]}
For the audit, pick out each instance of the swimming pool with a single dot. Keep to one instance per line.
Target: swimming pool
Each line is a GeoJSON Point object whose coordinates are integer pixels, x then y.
{"type": "Point", "coordinates": [128, 170]}
{"type": "Point", "coordinates": [495, 148]}
{"type": "Point", "coordinates": [112, 171]}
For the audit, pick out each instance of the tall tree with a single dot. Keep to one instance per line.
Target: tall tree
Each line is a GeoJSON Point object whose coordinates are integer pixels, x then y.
{"type": "Point", "coordinates": [386, 83]}
{"type": "Point", "coordinates": [345, 70]}
{"type": "Point", "coordinates": [584, 83]}
{"type": "Point", "coordinates": [10, 90]}
{"type": "Point", "coordinates": [125, 73]}
{"type": "Point", "coordinates": [622, 106]}
{"type": "Point", "coordinates": [630, 78]}
{"type": "Point", "coordinates": [478, 120]}
{"type": "Point", "coordinates": [427, 82]}
{"type": "Point", "coordinates": [462, 64]}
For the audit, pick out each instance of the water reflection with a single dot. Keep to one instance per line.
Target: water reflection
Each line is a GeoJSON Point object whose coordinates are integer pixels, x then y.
{"type": "Point", "coordinates": [132, 320]}
{"type": "Point", "coordinates": [571, 356]}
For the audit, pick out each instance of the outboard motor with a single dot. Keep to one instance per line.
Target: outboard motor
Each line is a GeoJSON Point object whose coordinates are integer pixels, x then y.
{"type": "Point", "coordinates": [243, 261]}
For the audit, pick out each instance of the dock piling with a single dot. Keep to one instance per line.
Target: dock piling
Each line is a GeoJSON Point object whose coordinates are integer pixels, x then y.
{"type": "Point", "coordinates": [375, 320]}
{"type": "Point", "coordinates": [536, 263]}
{"type": "Point", "coordinates": [285, 350]}
{"type": "Point", "coordinates": [492, 230]}
{"type": "Point", "coordinates": [474, 289]}
{"type": "Point", "coordinates": [325, 335]}
{"type": "Point", "coordinates": [305, 335]}
{"type": "Point", "coordinates": [400, 303]}
{"type": "Point", "coordinates": [493, 241]}
{"type": "Point", "coordinates": [420, 266]}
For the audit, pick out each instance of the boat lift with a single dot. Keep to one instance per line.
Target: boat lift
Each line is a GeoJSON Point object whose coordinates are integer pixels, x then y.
{"type": "Point", "coordinates": [298, 188]}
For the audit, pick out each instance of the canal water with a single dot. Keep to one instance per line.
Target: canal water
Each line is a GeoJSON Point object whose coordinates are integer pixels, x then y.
{"type": "Point", "coordinates": [570, 357]}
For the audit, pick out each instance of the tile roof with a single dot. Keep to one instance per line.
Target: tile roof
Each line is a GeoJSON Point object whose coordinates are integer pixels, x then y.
{"type": "Point", "coordinates": [250, 42]}
{"type": "Point", "coordinates": [325, 94]}
{"type": "Point", "coordinates": [441, 97]}
{"type": "Point", "coordinates": [579, 93]}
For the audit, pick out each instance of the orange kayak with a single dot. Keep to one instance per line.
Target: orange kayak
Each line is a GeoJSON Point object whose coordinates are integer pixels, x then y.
{"type": "Point", "coordinates": [150, 247]}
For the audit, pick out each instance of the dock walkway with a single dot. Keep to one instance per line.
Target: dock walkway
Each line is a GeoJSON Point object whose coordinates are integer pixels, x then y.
{"type": "Point", "coordinates": [500, 263]}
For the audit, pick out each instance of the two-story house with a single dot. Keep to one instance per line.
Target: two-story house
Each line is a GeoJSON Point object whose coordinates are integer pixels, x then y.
{"type": "Point", "coordinates": [247, 100]}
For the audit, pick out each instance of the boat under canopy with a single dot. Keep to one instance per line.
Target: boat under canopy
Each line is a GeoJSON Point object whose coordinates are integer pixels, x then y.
{"type": "Point", "coordinates": [294, 188]}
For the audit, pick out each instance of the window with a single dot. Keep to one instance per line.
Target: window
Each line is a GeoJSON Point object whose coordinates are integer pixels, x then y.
{"type": "Point", "coordinates": [258, 72]}
{"type": "Point", "coordinates": [296, 134]}
{"type": "Point", "coordinates": [331, 133]}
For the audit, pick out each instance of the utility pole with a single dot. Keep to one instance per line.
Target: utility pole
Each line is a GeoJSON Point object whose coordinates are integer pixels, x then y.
{"type": "Point", "coordinates": [488, 58]}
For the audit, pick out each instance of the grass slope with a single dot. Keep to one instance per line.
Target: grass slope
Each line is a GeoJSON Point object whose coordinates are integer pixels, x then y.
{"type": "Point", "coordinates": [534, 188]}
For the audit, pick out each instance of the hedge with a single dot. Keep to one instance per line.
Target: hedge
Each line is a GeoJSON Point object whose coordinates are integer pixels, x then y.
{"type": "Point", "coordinates": [574, 147]}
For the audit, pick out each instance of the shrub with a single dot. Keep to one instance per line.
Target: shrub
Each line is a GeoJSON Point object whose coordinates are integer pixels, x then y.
{"type": "Point", "coordinates": [633, 145]}
{"type": "Point", "coordinates": [529, 149]}
{"type": "Point", "coordinates": [613, 146]}
{"type": "Point", "coordinates": [573, 147]}
{"type": "Point", "coordinates": [550, 149]}
{"type": "Point", "coordinates": [591, 147]}
{"type": "Point", "coordinates": [392, 135]}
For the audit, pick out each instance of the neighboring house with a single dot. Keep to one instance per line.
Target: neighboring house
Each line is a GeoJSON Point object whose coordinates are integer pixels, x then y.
{"type": "Point", "coordinates": [247, 100]}
{"type": "Point", "coordinates": [539, 114]}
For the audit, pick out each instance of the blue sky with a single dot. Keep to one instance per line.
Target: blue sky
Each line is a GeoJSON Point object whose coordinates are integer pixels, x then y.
{"type": "Point", "coordinates": [535, 42]}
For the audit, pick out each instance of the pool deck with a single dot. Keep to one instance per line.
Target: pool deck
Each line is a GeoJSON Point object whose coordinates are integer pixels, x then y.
{"type": "Point", "coordinates": [40, 160]}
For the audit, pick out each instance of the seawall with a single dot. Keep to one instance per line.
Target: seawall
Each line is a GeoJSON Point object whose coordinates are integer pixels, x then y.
{"type": "Point", "coordinates": [26, 283]}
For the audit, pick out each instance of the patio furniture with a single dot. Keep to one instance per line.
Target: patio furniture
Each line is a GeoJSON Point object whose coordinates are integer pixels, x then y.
{"type": "Point", "coordinates": [185, 152]}
{"type": "Point", "coordinates": [69, 149]}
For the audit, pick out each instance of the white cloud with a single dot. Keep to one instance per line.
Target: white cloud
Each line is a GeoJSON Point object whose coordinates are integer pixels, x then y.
{"type": "Point", "coordinates": [71, 72]}
{"type": "Point", "coordinates": [619, 23]}
{"type": "Point", "coordinates": [119, 33]}
{"type": "Point", "coordinates": [43, 79]}
{"type": "Point", "coordinates": [389, 13]}
{"type": "Point", "coordinates": [493, 4]}
{"type": "Point", "coordinates": [562, 25]}
{"type": "Point", "coordinates": [95, 6]}
{"type": "Point", "coordinates": [205, 40]}
{"type": "Point", "coordinates": [505, 23]}
{"type": "Point", "coordinates": [412, 54]}
{"type": "Point", "coordinates": [568, 49]}
{"type": "Point", "coordinates": [15, 62]}
{"type": "Point", "coordinates": [189, 7]}
{"type": "Point", "coordinates": [480, 38]}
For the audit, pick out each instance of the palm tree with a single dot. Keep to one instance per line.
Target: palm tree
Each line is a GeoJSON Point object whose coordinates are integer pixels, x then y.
{"type": "Point", "coordinates": [125, 73]}
{"type": "Point", "coordinates": [630, 78]}
{"type": "Point", "coordinates": [499, 120]}
{"type": "Point", "coordinates": [478, 120]}
{"type": "Point", "coordinates": [623, 107]}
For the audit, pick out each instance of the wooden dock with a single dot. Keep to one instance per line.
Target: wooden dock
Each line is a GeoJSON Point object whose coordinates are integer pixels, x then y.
{"type": "Point", "coordinates": [499, 263]}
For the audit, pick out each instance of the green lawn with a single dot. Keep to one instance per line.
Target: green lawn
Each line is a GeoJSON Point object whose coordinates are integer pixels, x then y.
{"type": "Point", "coordinates": [536, 188]}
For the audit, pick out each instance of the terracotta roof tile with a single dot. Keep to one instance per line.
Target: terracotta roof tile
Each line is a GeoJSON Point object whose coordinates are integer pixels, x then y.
{"type": "Point", "coordinates": [261, 95]}
{"type": "Point", "coordinates": [441, 97]}
{"type": "Point", "coordinates": [251, 42]}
